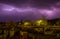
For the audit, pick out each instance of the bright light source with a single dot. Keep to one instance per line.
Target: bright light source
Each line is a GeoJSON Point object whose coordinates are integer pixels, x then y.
{"type": "Point", "coordinates": [39, 22]}
{"type": "Point", "coordinates": [26, 23]}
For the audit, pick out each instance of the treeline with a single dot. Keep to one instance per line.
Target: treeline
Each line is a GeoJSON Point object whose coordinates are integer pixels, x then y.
{"type": "Point", "coordinates": [29, 22]}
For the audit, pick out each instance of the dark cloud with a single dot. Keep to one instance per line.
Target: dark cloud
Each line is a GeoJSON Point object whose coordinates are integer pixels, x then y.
{"type": "Point", "coordinates": [32, 3]}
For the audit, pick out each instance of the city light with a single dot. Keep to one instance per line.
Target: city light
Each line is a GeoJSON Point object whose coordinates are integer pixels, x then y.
{"type": "Point", "coordinates": [39, 22]}
{"type": "Point", "coordinates": [26, 23]}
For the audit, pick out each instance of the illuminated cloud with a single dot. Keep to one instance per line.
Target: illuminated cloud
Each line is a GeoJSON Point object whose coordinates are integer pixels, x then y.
{"type": "Point", "coordinates": [30, 11]}
{"type": "Point", "coordinates": [7, 8]}
{"type": "Point", "coordinates": [46, 11]}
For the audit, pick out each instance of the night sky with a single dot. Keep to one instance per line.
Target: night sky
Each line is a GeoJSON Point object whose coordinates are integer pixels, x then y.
{"type": "Point", "coordinates": [16, 10]}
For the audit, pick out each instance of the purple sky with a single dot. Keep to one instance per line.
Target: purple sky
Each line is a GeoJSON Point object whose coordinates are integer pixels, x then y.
{"type": "Point", "coordinates": [29, 10]}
